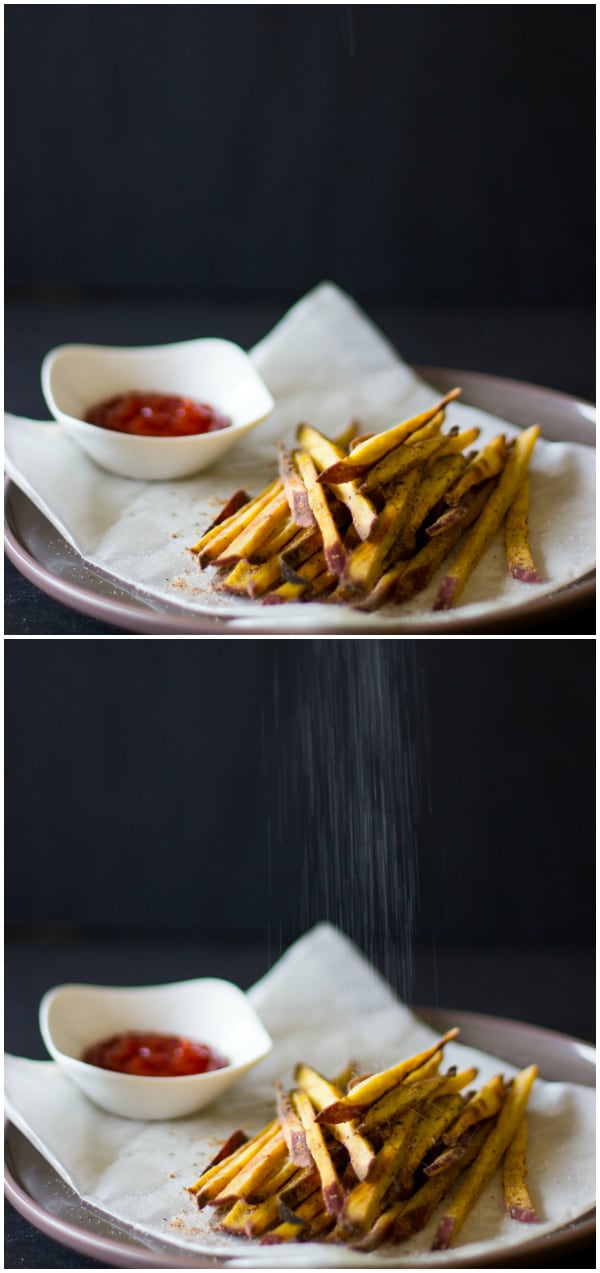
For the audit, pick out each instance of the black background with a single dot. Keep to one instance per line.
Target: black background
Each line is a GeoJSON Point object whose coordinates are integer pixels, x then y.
{"type": "Point", "coordinates": [420, 152]}
{"type": "Point", "coordinates": [146, 782]}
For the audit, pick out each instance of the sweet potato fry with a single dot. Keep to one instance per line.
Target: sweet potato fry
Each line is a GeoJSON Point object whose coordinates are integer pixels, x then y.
{"type": "Point", "coordinates": [484, 1104]}
{"type": "Point", "coordinates": [363, 1203]}
{"type": "Point", "coordinates": [293, 1131]}
{"type": "Point", "coordinates": [485, 1164]}
{"type": "Point", "coordinates": [365, 564]}
{"type": "Point", "coordinates": [487, 463]}
{"type": "Point", "coordinates": [458, 442]}
{"type": "Point", "coordinates": [516, 1194]}
{"type": "Point", "coordinates": [267, 522]}
{"type": "Point", "coordinates": [371, 1089]}
{"type": "Point", "coordinates": [233, 1142]}
{"type": "Point", "coordinates": [437, 478]}
{"type": "Point", "coordinates": [332, 544]}
{"type": "Point", "coordinates": [401, 460]}
{"type": "Point", "coordinates": [215, 1177]}
{"type": "Point", "coordinates": [418, 1210]}
{"type": "Point", "coordinates": [295, 1221]}
{"type": "Point", "coordinates": [404, 1096]}
{"type": "Point", "coordinates": [491, 518]}
{"type": "Point", "coordinates": [518, 552]}
{"type": "Point", "coordinates": [216, 540]}
{"type": "Point", "coordinates": [269, 1157]}
{"type": "Point", "coordinates": [333, 1197]}
{"type": "Point", "coordinates": [323, 1093]}
{"type": "Point", "coordinates": [374, 448]}
{"type": "Point", "coordinates": [323, 453]}
{"type": "Point", "coordinates": [295, 489]}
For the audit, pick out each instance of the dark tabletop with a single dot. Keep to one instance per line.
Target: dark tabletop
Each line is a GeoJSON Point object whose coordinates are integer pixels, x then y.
{"type": "Point", "coordinates": [547, 346]}
{"type": "Point", "coordinates": [548, 986]}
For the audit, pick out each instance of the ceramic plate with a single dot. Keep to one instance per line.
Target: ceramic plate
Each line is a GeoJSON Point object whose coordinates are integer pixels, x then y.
{"type": "Point", "coordinates": [43, 556]}
{"type": "Point", "coordinates": [41, 1196]}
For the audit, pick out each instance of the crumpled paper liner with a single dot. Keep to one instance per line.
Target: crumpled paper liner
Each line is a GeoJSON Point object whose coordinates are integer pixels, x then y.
{"type": "Point", "coordinates": [322, 1003]}
{"type": "Point", "coordinates": [326, 363]}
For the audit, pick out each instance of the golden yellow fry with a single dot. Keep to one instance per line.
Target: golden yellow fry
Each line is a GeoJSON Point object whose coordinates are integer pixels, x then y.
{"type": "Point", "coordinates": [269, 521]}
{"type": "Point", "coordinates": [333, 1196]}
{"type": "Point", "coordinates": [401, 460]}
{"type": "Point", "coordinates": [372, 1088]}
{"type": "Point", "coordinates": [417, 1211]}
{"type": "Point", "coordinates": [237, 580]}
{"type": "Point", "coordinates": [374, 448]}
{"type": "Point", "coordinates": [211, 1181]}
{"type": "Point", "coordinates": [324, 453]}
{"type": "Point", "coordinates": [487, 463]}
{"type": "Point", "coordinates": [454, 443]}
{"type": "Point", "coordinates": [298, 1222]}
{"type": "Point", "coordinates": [518, 552]}
{"type": "Point", "coordinates": [217, 540]}
{"type": "Point", "coordinates": [456, 1082]}
{"type": "Point", "coordinates": [332, 544]}
{"type": "Point", "coordinates": [322, 1093]}
{"type": "Point", "coordinates": [236, 1220]}
{"type": "Point", "coordinates": [366, 562]}
{"type": "Point", "coordinates": [482, 1170]}
{"type": "Point", "coordinates": [269, 1157]}
{"type": "Point", "coordinates": [427, 430]}
{"type": "Point", "coordinates": [363, 1203]}
{"type": "Point", "coordinates": [516, 1194]}
{"type": "Point", "coordinates": [491, 518]}
{"type": "Point", "coordinates": [483, 1104]}
{"type": "Point", "coordinates": [274, 544]}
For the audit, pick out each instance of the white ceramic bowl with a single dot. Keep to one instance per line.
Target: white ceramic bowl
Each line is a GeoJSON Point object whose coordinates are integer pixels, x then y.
{"type": "Point", "coordinates": [76, 377]}
{"type": "Point", "coordinates": [207, 1010]}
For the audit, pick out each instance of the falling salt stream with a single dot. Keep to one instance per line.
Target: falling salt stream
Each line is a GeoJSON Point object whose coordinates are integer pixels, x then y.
{"type": "Point", "coordinates": [351, 776]}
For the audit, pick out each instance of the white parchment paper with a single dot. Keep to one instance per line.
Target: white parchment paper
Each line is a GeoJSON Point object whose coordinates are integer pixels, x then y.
{"type": "Point", "coordinates": [325, 363]}
{"type": "Point", "coordinates": [322, 1003]}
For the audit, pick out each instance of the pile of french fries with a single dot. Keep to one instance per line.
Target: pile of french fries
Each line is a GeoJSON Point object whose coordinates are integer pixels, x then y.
{"type": "Point", "coordinates": [367, 1159]}
{"type": "Point", "coordinates": [367, 521]}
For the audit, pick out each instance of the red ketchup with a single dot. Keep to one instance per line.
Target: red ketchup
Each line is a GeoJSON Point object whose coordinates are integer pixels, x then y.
{"type": "Point", "coordinates": [156, 415]}
{"type": "Point", "coordinates": [154, 1055]}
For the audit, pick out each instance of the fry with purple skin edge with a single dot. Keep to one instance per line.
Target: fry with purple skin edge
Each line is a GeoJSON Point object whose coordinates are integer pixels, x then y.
{"type": "Point", "coordinates": [332, 544]}
{"type": "Point", "coordinates": [369, 1090]}
{"type": "Point", "coordinates": [518, 553]}
{"type": "Point", "coordinates": [333, 1195]}
{"type": "Point", "coordinates": [375, 447]}
{"type": "Point", "coordinates": [518, 1204]}
{"type": "Point", "coordinates": [365, 564]}
{"type": "Point", "coordinates": [215, 1176]}
{"type": "Point", "coordinates": [363, 1203]}
{"type": "Point", "coordinates": [480, 1173]}
{"type": "Point", "coordinates": [323, 1093]}
{"type": "Point", "coordinates": [323, 452]}
{"type": "Point", "coordinates": [487, 463]}
{"type": "Point", "coordinates": [482, 534]}
{"type": "Point", "coordinates": [293, 1131]}
{"type": "Point", "coordinates": [295, 489]}
{"type": "Point", "coordinates": [214, 541]}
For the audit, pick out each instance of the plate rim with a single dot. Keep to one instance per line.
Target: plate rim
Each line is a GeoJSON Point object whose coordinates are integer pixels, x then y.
{"type": "Point", "coordinates": [135, 616]}
{"type": "Point", "coordinates": [139, 1255]}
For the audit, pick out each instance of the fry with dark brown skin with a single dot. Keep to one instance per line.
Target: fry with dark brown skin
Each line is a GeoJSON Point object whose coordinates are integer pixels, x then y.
{"type": "Point", "coordinates": [375, 447]}
{"type": "Point", "coordinates": [233, 1142]}
{"type": "Point", "coordinates": [518, 552]}
{"type": "Point", "coordinates": [333, 1196]}
{"type": "Point", "coordinates": [371, 1089]}
{"type": "Point", "coordinates": [322, 1093]}
{"type": "Point", "coordinates": [365, 565]}
{"type": "Point", "coordinates": [231, 506]}
{"type": "Point", "coordinates": [297, 1223]}
{"type": "Point", "coordinates": [458, 513]}
{"type": "Point", "coordinates": [293, 1131]}
{"type": "Point", "coordinates": [482, 1170]}
{"type": "Point", "coordinates": [324, 452]}
{"type": "Point", "coordinates": [332, 543]}
{"type": "Point", "coordinates": [437, 478]}
{"type": "Point", "coordinates": [517, 1202]}
{"type": "Point", "coordinates": [404, 1096]}
{"type": "Point", "coordinates": [490, 520]}
{"type": "Point", "coordinates": [487, 463]}
{"type": "Point", "coordinates": [295, 489]}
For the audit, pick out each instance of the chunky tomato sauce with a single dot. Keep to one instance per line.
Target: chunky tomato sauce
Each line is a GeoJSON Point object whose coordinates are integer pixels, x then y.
{"type": "Point", "coordinates": [156, 415]}
{"type": "Point", "coordinates": [154, 1055]}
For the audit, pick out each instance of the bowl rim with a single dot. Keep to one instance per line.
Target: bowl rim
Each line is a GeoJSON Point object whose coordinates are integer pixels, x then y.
{"type": "Point", "coordinates": [62, 417]}
{"type": "Point", "coordinates": [84, 1067]}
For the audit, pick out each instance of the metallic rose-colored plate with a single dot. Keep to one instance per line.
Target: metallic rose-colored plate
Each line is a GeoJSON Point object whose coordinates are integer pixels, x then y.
{"type": "Point", "coordinates": [41, 1196]}
{"type": "Point", "coordinates": [43, 556]}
